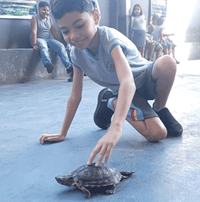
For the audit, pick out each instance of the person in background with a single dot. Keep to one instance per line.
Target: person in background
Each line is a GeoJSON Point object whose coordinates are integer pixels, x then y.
{"type": "Point", "coordinates": [158, 36]}
{"type": "Point", "coordinates": [150, 46]}
{"type": "Point", "coordinates": [169, 43]}
{"type": "Point", "coordinates": [138, 27]}
{"type": "Point", "coordinates": [154, 46]}
{"type": "Point", "coordinates": [42, 29]}
{"type": "Point", "coordinates": [162, 38]}
{"type": "Point", "coordinates": [172, 48]}
{"type": "Point", "coordinates": [152, 25]}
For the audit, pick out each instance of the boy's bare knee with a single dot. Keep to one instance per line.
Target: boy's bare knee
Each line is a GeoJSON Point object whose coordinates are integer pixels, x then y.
{"type": "Point", "coordinates": [156, 135]}
{"type": "Point", "coordinates": [165, 65]}
{"type": "Point", "coordinates": [169, 61]}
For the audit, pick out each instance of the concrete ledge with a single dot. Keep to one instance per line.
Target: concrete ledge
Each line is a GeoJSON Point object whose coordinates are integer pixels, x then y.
{"type": "Point", "coordinates": [23, 65]}
{"type": "Point", "coordinates": [194, 51]}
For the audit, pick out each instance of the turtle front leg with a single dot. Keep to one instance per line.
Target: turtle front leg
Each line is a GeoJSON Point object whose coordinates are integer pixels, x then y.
{"type": "Point", "coordinates": [86, 192]}
{"type": "Point", "coordinates": [111, 189]}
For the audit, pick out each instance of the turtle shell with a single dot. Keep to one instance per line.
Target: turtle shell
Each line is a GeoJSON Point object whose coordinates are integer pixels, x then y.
{"type": "Point", "coordinates": [91, 176]}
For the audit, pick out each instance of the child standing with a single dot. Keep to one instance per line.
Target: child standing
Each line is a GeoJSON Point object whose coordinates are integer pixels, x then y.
{"type": "Point", "coordinates": [138, 27]}
{"type": "Point", "coordinates": [111, 60]}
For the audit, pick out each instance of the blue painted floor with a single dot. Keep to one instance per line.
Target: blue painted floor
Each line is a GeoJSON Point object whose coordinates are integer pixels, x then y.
{"type": "Point", "coordinates": [168, 171]}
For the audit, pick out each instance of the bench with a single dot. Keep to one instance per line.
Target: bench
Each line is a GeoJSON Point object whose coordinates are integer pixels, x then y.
{"type": "Point", "coordinates": [24, 65]}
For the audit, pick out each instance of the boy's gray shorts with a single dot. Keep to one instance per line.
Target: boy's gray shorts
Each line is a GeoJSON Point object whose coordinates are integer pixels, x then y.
{"type": "Point", "coordinates": [146, 90]}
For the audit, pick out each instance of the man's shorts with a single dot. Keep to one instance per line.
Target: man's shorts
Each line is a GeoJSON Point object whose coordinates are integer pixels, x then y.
{"type": "Point", "coordinates": [146, 90]}
{"type": "Point", "coordinates": [169, 44]}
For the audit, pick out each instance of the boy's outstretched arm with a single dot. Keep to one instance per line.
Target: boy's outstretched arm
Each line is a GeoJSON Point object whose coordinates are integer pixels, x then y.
{"type": "Point", "coordinates": [125, 95]}
{"type": "Point", "coordinates": [72, 106]}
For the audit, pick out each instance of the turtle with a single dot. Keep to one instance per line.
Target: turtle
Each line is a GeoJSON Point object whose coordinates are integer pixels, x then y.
{"type": "Point", "coordinates": [87, 177]}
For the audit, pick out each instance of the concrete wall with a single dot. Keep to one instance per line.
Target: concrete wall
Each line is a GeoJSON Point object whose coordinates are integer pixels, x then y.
{"type": "Point", "coordinates": [23, 65]}
{"type": "Point", "coordinates": [193, 33]}
{"type": "Point", "coordinates": [105, 12]}
{"type": "Point", "coordinates": [14, 33]}
{"type": "Point", "coordinates": [123, 16]}
{"type": "Point", "coordinates": [119, 16]}
{"type": "Point", "coordinates": [19, 63]}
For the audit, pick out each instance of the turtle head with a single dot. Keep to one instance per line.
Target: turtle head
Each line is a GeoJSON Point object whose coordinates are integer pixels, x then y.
{"type": "Point", "coordinates": [66, 180]}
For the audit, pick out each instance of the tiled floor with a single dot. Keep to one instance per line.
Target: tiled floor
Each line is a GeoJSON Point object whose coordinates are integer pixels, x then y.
{"type": "Point", "coordinates": [168, 171]}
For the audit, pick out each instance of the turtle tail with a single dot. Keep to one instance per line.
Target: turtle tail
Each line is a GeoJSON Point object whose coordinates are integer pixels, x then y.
{"type": "Point", "coordinates": [125, 174]}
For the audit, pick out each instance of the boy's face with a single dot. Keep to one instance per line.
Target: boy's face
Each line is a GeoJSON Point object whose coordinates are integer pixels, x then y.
{"type": "Point", "coordinates": [79, 29]}
{"type": "Point", "coordinates": [44, 12]}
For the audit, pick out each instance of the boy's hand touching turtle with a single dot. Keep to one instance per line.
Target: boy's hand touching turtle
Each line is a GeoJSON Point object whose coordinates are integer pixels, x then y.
{"type": "Point", "coordinates": [105, 146]}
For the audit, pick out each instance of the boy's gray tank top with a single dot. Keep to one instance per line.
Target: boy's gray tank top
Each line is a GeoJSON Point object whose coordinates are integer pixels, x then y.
{"type": "Point", "coordinates": [43, 27]}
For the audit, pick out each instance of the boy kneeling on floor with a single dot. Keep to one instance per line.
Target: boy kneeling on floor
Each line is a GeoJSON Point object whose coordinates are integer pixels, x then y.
{"type": "Point", "coordinates": [111, 60]}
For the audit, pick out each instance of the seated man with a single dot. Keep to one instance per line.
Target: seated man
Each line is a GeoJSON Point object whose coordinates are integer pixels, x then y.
{"type": "Point", "coordinates": [171, 48]}
{"type": "Point", "coordinates": [153, 46]}
{"type": "Point", "coordinates": [41, 29]}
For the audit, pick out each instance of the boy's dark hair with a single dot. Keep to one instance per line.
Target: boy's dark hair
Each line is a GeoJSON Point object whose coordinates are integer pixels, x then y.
{"type": "Point", "coordinates": [43, 4]}
{"type": "Point", "coordinates": [60, 7]}
{"type": "Point", "coordinates": [160, 21]}
{"type": "Point", "coordinates": [137, 5]}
